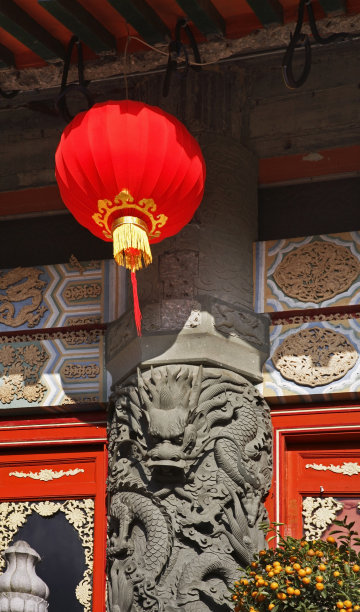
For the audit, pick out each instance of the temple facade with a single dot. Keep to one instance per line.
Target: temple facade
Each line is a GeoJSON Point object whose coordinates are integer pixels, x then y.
{"type": "Point", "coordinates": [141, 468]}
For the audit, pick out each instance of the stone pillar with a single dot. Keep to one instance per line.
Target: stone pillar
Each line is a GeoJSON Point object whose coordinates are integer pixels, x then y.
{"type": "Point", "coordinates": [190, 437]}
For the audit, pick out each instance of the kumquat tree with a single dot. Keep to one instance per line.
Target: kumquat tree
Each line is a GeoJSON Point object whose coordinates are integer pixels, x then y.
{"type": "Point", "coordinates": [301, 575]}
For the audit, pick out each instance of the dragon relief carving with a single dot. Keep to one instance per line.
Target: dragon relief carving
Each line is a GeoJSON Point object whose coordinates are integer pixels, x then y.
{"type": "Point", "coordinates": [190, 466]}
{"type": "Point", "coordinates": [21, 285]}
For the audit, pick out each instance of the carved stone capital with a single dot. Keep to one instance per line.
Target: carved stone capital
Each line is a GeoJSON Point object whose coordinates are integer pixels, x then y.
{"type": "Point", "coordinates": [204, 330]}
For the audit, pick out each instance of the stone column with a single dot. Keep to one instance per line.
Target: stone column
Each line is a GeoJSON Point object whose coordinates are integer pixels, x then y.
{"type": "Point", "coordinates": [190, 437]}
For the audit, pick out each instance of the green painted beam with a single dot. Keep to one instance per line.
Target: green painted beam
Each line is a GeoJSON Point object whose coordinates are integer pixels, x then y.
{"type": "Point", "coordinates": [6, 57]}
{"type": "Point", "coordinates": [267, 11]}
{"type": "Point", "coordinates": [26, 30]}
{"type": "Point", "coordinates": [81, 23]}
{"type": "Point", "coordinates": [204, 15]}
{"type": "Point", "coordinates": [143, 18]}
{"type": "Point", "coordinates": [333, 6]}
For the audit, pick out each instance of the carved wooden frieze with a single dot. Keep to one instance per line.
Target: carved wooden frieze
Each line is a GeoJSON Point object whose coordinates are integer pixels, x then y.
{"type": "Point", "coordinates": [317, 271]}
{"type": "Point", "coordinates": [61, 295]}
{"type": "Point", "coordinates": [318, 514]}
{"type": "Point", "coordinates": [315, 356]}
{"type": "Point", "coordinates": [312, 359]}
{"type": "Point", "coordinates": [65, 368]}
{"type": "Point", "coordinates": [311, 272]}
{"type": "Point", "coordinates": [348, 468]}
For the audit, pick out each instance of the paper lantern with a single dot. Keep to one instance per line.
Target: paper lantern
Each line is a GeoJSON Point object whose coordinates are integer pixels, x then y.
{"type": "Point", "coordinates": [130, 173]}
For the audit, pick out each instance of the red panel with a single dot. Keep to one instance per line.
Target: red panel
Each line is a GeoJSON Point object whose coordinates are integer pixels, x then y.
{"type": "Point", "coordinates": [72, 442]}
{"type": "Point", "coordinates": [318, 434]}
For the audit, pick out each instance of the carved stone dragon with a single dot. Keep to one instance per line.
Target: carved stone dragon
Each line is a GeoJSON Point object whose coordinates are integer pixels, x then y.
{"type": "Point", "coordinates": [190, 466]}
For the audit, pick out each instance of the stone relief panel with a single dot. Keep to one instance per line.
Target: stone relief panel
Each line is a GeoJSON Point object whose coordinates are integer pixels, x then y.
{"type": "Point", "coordinates": [189, 468]}
{"type": "Point", "coordinates": [49, 369]}
{"type": "Point", "coordinates": [55, 296]}
{"type": "Point", "coordinates": [311, 272]}
{"type": "Point", "coordinates": [312, 359]}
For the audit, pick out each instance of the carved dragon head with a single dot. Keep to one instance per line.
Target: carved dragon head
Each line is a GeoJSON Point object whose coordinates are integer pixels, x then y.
{"type": "Point", "coordinates": [169, 398]}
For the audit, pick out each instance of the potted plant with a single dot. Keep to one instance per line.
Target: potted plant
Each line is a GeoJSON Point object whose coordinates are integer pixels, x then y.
{"type": "Point", "coordinates": [303, 576]}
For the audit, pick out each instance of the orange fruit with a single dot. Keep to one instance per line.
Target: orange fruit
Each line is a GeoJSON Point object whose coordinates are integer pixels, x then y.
{"type": "Point", "coordinates": [320, 586]}
{"type": "Point", "coordinates": [322, 567]}
{"type": "Point", "coordinates": [347, 603]}
{"type": "Point", "coordinates": [302, 572]}
{"type": "Point", "coordinates": [336, 573]}
{"type": "Point", "coordinates": [356, 568]}
{"type": "Point", "coordinates": [331, 540]}
{"type": "Point", "coordinates": [308, 570]}
{"type": "Point", "coordinates": [340, 604]}
{"type": "Point", "coordinates": [274, 586]}
{"type": "Point", "coordinates": [306, 580]}
{"type": "Point", "coordinates": [311, 552]}
{"type": "Point", "coordinates": [297, 592]}
{"type": "Point", "coordinates": [319, 578]}
{"type": "Point", "coordinates": [290, 591]}
{"type": "Point", "coordinates": [297, 566]}
{"type": "Point", "coordinates": [271, 606]}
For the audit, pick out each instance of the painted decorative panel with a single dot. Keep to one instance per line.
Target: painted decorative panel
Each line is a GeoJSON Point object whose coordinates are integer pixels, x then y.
{"type": "Point", "coordinates": [52, 369]}
{"type": "Point", "coordinates": [311, 272]}
{"type": "Point", "coordinates": [313, 360]}
{"type": "Point", "coordinates": [61, 295]}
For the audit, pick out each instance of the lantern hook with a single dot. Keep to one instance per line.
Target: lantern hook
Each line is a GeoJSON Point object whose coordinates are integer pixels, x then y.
{"type": "Point", "coordinates": [60, 102]}
{"type": "Point", "coordinates": [176, 48]}
{"type": "Point", "coordinates": [298, 36]}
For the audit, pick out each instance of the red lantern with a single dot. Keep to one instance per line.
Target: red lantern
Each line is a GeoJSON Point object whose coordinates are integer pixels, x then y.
{"type": "Point", "coordinates": [130, 173]}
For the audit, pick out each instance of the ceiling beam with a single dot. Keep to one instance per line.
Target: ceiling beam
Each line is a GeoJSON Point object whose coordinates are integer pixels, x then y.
{"type": "Point", "coordinates": [267, 11]}
{"type": "Point", "coordinates": [6, 57]}
{"type": "Point", "coordinates": [143, 19]}
{"type": "Point", "coordinates": [204, 15]}
{"type": "Point", "coordinates": [81, 23]}
{"type": "Point", "coordinates": [335, 7]}
{"type": "Point", "coordinates": [26, 30]}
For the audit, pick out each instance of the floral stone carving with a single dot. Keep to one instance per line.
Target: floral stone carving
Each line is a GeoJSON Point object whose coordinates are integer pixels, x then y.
{"type": "Point", "coordinates": [78, 512]}
{"type": "Point", "coordinates": [20, 368]}
{"type": "Point", "coordinates": [348, 468]}
{"type": "Point", "coordinates": [315, 356]}
{"type": "Point", "coordinates": [190, 466]}
{"type": "Point", "coordinates": [317, 271]}
{"type": "Point", "coordinates": [319, 513]}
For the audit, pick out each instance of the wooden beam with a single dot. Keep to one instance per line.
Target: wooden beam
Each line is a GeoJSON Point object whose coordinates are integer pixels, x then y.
{"type": "Point", "coordinates": [144, 19]}
{"type": "Point", "coordinates": [204, 15]}
{"type": "Point", "coordinates": [25, 29]}
{"type": "Point", "coordinates": [267, 11]}
{"type": "Point", "coordinates": [80, 22]}
{"type": "Point", "coordinates": [334, 7]}
{"type": "Point", "coordinates": [6, 57]}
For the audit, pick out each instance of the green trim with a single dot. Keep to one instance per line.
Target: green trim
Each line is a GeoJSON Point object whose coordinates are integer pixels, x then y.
{"type": "Point", "coordinates": [268, 11]}
{"type": "Point", "coordinates": [333, 6]}
{"type": "Point", "coordinates": [143, 18]}
{"type": "Point", "coordinates": [81, 23]}
{"type": "Point", "coordinates": [6, 57]}
{"type": "Point", "coordinates": [20, 25]}
{"type": "Point", "coordinates": [204, 15]}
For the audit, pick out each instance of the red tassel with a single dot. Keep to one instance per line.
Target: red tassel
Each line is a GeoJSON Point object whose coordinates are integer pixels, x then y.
{"type": "Point", "coordinates": [137, 311]}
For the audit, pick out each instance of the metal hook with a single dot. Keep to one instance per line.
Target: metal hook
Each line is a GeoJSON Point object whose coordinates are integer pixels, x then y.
{"type": "Point", "coordinates": [60, 102]}
{"type": "Point", "coordinates": [176, 47]}
{"type": "Point", "coordinates": [287, 68]}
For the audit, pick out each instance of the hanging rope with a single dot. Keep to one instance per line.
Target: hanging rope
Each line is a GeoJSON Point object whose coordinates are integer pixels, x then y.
{"type": "Point", "coordinates": [176, 49]}
{"type": "Point", "coordinates": [60, 102]}
{"type": "Point", "coordinates": [298, 37]}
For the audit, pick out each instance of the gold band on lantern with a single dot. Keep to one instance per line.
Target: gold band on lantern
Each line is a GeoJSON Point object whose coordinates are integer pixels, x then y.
{"type": "Point", "coordinates": [128, 219]}
{"type": "Point", "coordinates": [131, 242]}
